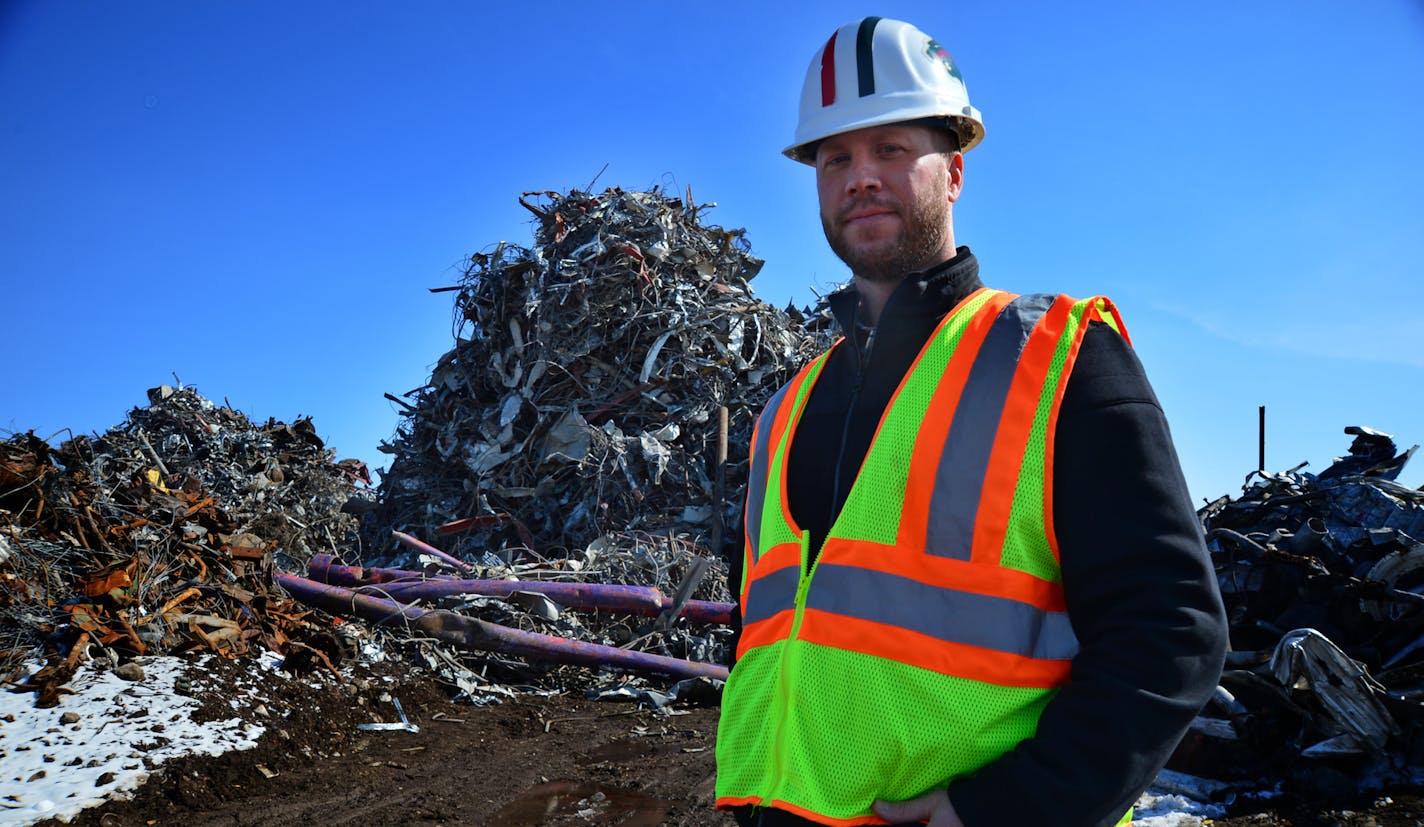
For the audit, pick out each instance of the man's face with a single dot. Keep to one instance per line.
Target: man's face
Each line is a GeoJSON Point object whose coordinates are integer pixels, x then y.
{"type": "Point", "coordinates": [885, 195]}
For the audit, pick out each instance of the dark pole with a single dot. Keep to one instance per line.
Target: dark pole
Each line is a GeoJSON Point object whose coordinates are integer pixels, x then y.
{"type": "Point", "coordinates": [1261, 457]}
{"type": "Point", "coordinates": [719, 477]}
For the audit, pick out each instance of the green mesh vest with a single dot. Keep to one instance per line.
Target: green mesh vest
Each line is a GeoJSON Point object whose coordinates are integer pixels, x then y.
{"type": "Point", "coordinates": [931, 630]}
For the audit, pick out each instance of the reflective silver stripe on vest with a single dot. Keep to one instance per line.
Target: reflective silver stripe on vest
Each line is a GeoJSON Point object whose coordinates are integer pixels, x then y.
{"type": "Point", "coordinates": [959, 480]}
{"type": "Point", "coordinates": [771, 593]}
{"type": "Point", "coordinates": [996, 623]}
{"type": "Point", "coordinates": [761, 459]}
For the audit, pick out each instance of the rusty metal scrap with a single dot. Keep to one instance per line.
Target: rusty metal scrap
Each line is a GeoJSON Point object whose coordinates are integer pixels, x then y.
{"type": "Point", "coordinates": [160, 535]}
{"type": "Point", "coordinates": [1323, 578]}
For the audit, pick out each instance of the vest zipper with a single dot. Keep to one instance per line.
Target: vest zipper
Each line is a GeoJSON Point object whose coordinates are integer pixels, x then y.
{"type": "Point", "coordinates": [862, 356]}
{"type": "Point", "coordinates": [803, 584]}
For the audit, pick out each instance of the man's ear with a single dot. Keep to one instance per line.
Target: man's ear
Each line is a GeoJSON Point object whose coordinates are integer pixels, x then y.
{"type": "Point", "coordinates": [956, 175]}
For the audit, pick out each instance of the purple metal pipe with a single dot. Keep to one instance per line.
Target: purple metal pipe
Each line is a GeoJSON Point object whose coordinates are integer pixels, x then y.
{"type": "Point", "coordinates": [704, 611]}
{"type": "Point", "coordinates": [478, 634]}
{"type": "Point", "coordinates": [408, 585]}
{"type": "Point", "coordinates": [588, 596]}
{"type": "Point", "coordinates": [425, 548]}
{"type": "Point", "coordinates": [402, 584]}
{"type": "Point", "coordinates": [473, 633]}
{"type": "Point", "coordinates": [328, 569]}
{"type": "Point", "coordinates": [344, 601]}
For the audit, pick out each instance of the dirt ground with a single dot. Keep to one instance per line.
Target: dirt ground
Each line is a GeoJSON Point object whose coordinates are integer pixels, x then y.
{"type": "Point", "coordinates": [557, 760]}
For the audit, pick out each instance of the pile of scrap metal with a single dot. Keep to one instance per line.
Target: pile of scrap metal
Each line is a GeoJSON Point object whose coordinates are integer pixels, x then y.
{"type": "Point", "coordinates": [161, 535]}
{"type": "Point", "coordinates": [1323, 577]}
{"type": "Point", "coordinates": [577, 433]}
{"type": "Point", "coordinates": [570, 450]}
{"type": "Point", "coordinates": [581, 398]}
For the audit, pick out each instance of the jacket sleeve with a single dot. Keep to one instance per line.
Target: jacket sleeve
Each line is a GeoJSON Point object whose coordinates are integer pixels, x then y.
{"type": "Point", "coordinates": [1143, 600]}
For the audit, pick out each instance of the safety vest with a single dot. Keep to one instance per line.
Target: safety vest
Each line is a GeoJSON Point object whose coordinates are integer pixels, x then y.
{"type": "Point", "coordinates": [931, 630]}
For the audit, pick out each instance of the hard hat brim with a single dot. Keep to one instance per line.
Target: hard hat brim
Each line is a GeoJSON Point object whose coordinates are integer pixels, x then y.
{"type": "Point", "coordinates": [969, 125]}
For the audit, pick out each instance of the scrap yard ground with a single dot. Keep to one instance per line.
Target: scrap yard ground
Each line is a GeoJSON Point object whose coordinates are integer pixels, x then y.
{"type": "Point", "coordinates": [535, 760]}
{"type": "Point", "coordinates": [556, 760]}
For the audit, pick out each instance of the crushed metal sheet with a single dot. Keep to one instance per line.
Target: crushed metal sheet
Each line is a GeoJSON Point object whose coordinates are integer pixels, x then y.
{"type": "Point", "coordinates": [1323, 579]}
{"type": "Point", "coordinates": [1306, 660]}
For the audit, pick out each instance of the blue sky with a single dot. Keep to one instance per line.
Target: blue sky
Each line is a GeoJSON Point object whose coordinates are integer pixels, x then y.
{"type": "Point", "coordinates": [256, 195]}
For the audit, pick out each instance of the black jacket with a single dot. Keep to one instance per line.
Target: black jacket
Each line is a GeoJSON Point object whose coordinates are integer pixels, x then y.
{"type": "Point", "coordinates": [1141, 592]}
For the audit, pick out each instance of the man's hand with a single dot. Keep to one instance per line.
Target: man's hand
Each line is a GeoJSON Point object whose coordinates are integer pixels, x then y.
{"type": "Point", "coordinates": [933, 807]}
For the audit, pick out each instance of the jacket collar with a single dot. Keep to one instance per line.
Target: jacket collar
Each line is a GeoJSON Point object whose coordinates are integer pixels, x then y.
{"type": "Point", "coordinates": [926, 293]}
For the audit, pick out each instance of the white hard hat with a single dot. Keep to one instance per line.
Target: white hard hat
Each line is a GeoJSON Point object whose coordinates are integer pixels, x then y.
{"type": "Point", "coordinates": [877, 71]}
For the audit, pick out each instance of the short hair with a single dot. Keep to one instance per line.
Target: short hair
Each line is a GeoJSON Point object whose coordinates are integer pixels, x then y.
{"type": "Point", "coordinates": [944, 126]}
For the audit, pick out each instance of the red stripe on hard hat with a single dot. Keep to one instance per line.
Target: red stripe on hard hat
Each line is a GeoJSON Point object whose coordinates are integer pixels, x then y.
{"type": "Point", "coordinates": [828, 71]}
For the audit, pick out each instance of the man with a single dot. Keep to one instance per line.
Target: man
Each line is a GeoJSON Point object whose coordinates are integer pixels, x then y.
{"type": "Point", "coordinates": [974, 590]}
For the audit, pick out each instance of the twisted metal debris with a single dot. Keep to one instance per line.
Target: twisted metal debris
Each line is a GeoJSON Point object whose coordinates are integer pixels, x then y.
{"type": "Point", "coordinates": [569, 435]}
{"type": "Point", "coordinates": [580, 398]}
{"type": "Point", "coordinates": [1323, 578]}
{"type": "Point", "coordinates": [161, 535]}
{"type": "Point", "coordinates": [567, 438]}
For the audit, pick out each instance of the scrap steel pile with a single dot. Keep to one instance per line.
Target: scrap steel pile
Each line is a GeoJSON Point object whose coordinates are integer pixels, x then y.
{"type": "Point", "coordinates": [581, 396]}
{"type": "Point", "coordinates": [1323, 577]}
{"type": "Point", "coordinates": [162, 534]}
{"type": "Point", "coordinates": [570, 441]}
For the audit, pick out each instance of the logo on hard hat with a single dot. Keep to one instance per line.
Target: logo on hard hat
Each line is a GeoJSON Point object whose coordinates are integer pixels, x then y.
{"type": "Point", "coordinates": [938, 52]}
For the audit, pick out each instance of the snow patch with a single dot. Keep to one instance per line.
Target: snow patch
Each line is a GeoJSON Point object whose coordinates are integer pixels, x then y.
{"type": "Point", "coordinates": [124, 731]}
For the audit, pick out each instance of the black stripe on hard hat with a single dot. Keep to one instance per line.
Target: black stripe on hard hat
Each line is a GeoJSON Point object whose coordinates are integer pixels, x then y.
{"type": "Point", "coordinates": [864, 58]}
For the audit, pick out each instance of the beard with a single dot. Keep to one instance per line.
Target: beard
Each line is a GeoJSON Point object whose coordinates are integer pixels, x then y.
{"type": "Point", "coordinates": [918, 245]}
